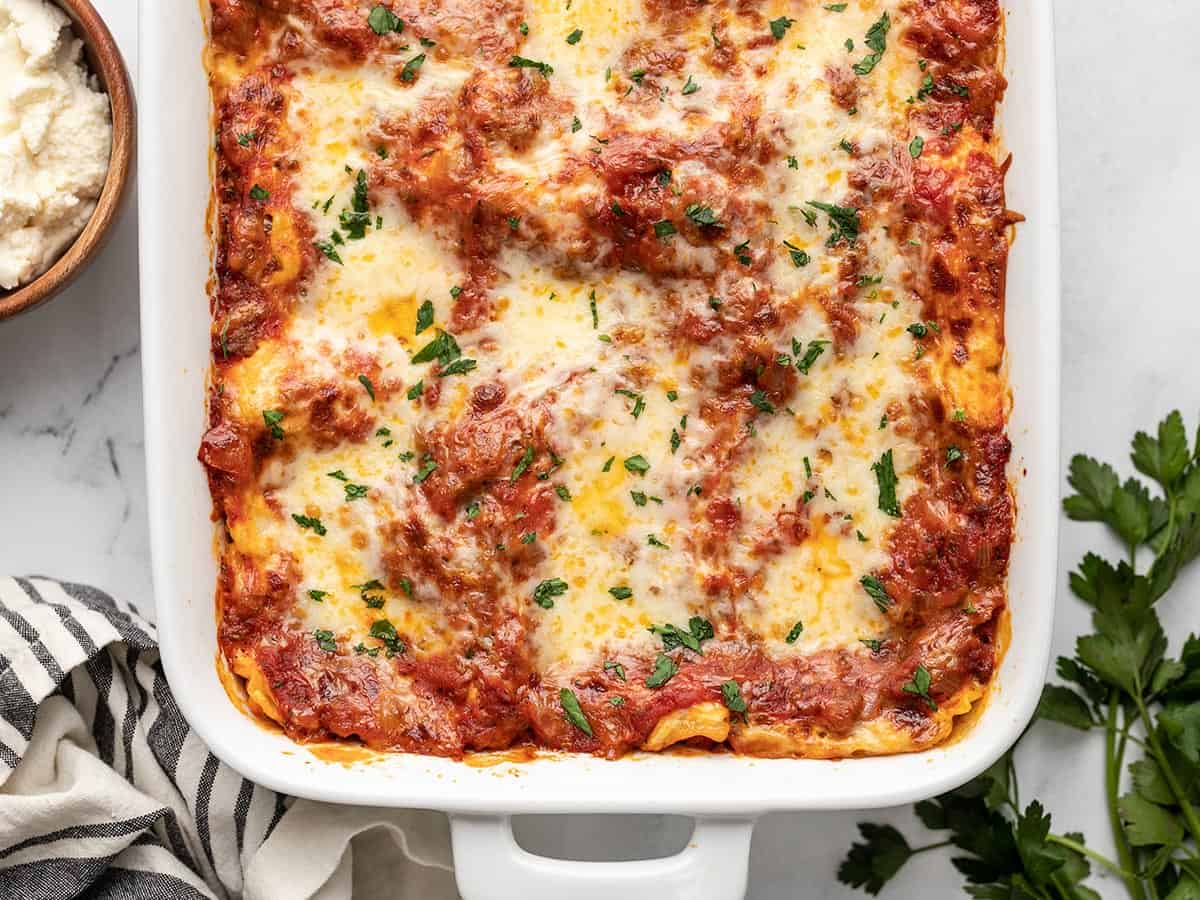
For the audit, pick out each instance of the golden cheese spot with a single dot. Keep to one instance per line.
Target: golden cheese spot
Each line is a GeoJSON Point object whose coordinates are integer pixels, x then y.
{"type": "Point", "coordinates": [602, 506]}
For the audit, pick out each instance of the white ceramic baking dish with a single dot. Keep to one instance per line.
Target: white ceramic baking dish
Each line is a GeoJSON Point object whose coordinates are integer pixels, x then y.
{"type": "Point", "coordinates": [724, 793]}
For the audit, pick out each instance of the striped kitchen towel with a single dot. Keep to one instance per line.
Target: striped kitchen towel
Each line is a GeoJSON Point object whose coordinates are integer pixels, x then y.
{"type": "Point", "coordinates": [106, 792]}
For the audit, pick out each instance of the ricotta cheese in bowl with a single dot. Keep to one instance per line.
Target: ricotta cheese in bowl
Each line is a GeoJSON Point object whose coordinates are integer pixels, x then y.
{"type": "Point", "coordinates": [55, 139]}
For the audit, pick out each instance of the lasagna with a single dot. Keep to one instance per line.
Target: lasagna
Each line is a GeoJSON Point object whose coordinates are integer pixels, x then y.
{"type": "Point", "coordinates": [601, 375]}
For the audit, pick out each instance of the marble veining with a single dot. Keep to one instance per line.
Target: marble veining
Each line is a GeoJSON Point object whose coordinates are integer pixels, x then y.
{"type": "Point", "coordinates": [72, 467]}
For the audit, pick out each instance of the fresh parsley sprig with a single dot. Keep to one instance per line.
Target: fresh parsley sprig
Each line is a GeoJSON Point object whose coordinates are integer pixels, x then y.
{"type": "Point", "coordinates": [1120, 682]}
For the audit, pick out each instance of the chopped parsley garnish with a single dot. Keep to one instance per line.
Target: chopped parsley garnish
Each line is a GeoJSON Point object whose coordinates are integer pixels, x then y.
{"type": "Point", "coordinates": [272, 418]}
{"type": "Point", "coordinates": [689, 87]}
{"type": "Point", "coordinates": [330, 252]}
{"type": "Point", "coordinates": [409, 72]}
{"type": "Point", "coordinates": [574, 36]}
{"type": "Point", "coordinates": [385, 632]}
{"type": "Point", "coordinates": [672, 396]}
{"type": "Point", "coordinates": [916, 147]}
{"type": "Point", "coordinates": [885, 475]}
{"type": "Point", "coordinates": [926, 89]}
{"type": "Point", "coordinates": [676, 440]}
{"type": "Point", "coordinates": [573, 712]}
{"type": "Point", "coordinates": [521, 62]}
{"type": "Point", "coordinates": [616, 668]}
{"type": "Point", "coordinates": [415, 392]}
{"type": "Point", "coordinates": [428, 467]}
{"type": "Point", "coordinates": [318, 596]}
{"type": "Point", "coordinates": [245, 139]}
{"type": "Point", "coordinates": [383, 21]}
{"type": "Point", "coordinates": [793, 163]}
{"type": "Point", "coordinates": [618, 700]}
{"type": "Point", "coordinates": [608, 464]}
{"type": "Point", "coordinates": [960, 415]}
{"type": "Point", "coordinates": [356, 220]}
{"type": "Point", "coordinates": [800, 259]}
{"type": "Point", "coordinates": [576, 125]}
{"type": "Point", "coordinates": [703, 216]}
{"type": "Point", "coordinates": [523, 28]}
{"type": "Point", "coordinates": [794, 634]}
{"type": "Point", "coordinates": [639, 499]}
{"type": "Point", "coordinates": [759, 401]}
{"type": "Point", "coordinates": [595, 312]}
{"type": "Point", "coordinates": [522, 464]}
{"type": "Point", "coordinates": [698, 630]}
{"type": "Point", "coordinates": [355, 491]}
{"type": "Point", "coordinates": [366, 383]}
{"type": "Point", "coordinates": [731, 693]}
{"type": "Point", "coordinates": [877, 41]}
{"type": "Point", "coordinates": [529, 537]}
{"type": "Point", "coordinates": [953, 455]}
{"type": "Point", "coordinates": [780, 26]}
{"type": "Point", "coordinates": [621, 592]}
{"type": "Point", "coordinates": [872, 644]}
{"type": "Point", "coordinates": [663, 229]}
{"type": "Point", "coordinates": [811, 355]}
{"type": "Point", "coordinates": [876, 591]}
{"type": "Point", "coordinates": [472, 510]}
{"type": "Point", "coordinates": [544, 593]}
{"type": "Point", "coordinates": [837, 7]}
{"type": "Point", "coordinates": [310, 522]}
{"type": "Point", "coordinates": [653, 541]}
{"type": "Point", "coordinates": [424, 316]}
{"type": "Point", "coordinates": [635, 464]}
{"type": "Point", "coordinates": [919, 686]}
{"type": "Point", "coordinates": [664, 671]}
{"type": "Point", "coordinates": [259, 194]}
{"type": "Point", "coordinates": [564, 494]}
{"type": "Point", "coordinates": [458, 367]}
{"type": "Point", "coordinates": [742, 253]}
{"type": "Point", "coordinates": [843, 222]}
{"type": "Point", "coordinates": [639, 402]}
{"type": "Point", "coordinates": [444, 348]}
{"type": "Point", "coordinates": [325, 640]}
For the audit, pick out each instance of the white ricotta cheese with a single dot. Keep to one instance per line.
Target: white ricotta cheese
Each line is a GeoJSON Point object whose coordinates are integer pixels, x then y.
{"type": "Point", "coordinates": [55, 139]}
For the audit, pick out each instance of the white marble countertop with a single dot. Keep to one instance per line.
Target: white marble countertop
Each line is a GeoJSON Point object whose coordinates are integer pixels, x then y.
{"type": "Point", "coordinates": [73, 479]}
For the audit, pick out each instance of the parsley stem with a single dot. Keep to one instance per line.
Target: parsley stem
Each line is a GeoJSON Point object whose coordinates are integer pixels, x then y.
{"type": "Point", "coordinates": [938, 846]}
{"type": "Point", "coordinates": [1090, 854]}
{"type": "Point", "coordinates": [1181, 796]}
{"type": "Point", "coordinates": [1114, 757]}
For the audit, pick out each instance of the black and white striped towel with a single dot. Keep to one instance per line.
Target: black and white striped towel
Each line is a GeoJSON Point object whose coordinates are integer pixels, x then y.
{"type": "Point", "coordinates": [105, 791]}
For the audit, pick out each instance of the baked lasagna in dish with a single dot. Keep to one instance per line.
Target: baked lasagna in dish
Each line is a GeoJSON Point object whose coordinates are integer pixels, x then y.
{"type": "Point", "coordinates": [600, 375]}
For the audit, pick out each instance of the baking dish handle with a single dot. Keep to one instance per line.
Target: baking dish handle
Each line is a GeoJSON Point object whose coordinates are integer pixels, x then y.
{"type": "Point", "coordinates": [490, 865]}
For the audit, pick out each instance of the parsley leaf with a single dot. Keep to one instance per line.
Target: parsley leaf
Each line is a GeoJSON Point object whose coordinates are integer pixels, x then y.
{"type": "Point", "coordinates": [636, 465]}
{"type": "Point", "coordinates": [877, 592]}
{"type": "Point", "coordinates": [383, 21]}
{"type": "Point", "coordinates": [731, 694]}
{"type": "Point", "coordinates": [310, 522]}
{"type": "Point", "coordinates": [703, 216]}
{"type": "Point", "coordinates": [573, 712]}
{"type": "Point", "coordinates": [272, 418]}
{"type": "Point", "coordinates": [521, 62]}
{"type": "Point", "coordinates": [411, 68]}
{"type": "Point", "coordinates": [885, 476]}
{"type": "Point", "coordinates": [844, 222]}
{"type": "Point", "coordinates": [780, 26]}
{"type": "Point", "coordinates": [546, 591]}
{"type": "Point", "coordinates": [664, 671]}
{"type": "Point", "coordinates": [424, 317]}
{"type": "Point", "coordinates": [325, 640]}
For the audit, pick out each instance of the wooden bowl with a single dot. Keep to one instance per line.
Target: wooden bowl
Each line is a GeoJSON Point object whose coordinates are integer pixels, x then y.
{"type": "Point", "coordinates": [105, 61]}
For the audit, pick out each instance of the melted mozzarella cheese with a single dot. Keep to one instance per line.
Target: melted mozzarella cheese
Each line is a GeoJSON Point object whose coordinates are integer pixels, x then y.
{"type": "Point", "coordinates": [621, 529]}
